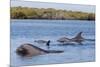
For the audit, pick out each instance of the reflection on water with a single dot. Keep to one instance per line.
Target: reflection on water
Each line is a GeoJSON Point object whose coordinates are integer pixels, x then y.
{"type": "Point", "coordinates": [26, 31]}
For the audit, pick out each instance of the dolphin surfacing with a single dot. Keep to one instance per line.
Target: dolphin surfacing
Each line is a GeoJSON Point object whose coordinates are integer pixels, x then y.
{"type": "Point", "coordinates": [78, 39]}
{"type": "Point", "coordinates": [29, 50]}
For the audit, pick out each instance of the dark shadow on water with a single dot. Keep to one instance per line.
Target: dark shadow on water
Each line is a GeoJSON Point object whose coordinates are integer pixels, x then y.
{"type": "Point", "coordinates": [70, 44]}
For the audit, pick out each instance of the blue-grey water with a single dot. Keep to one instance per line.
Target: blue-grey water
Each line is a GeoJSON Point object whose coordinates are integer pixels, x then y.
{"type": "Point", "coordinates": [26, 31]}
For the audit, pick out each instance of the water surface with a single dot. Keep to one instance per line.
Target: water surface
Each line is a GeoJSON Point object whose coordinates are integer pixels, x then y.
{"type": "Point", "coordinates": [26, 31]}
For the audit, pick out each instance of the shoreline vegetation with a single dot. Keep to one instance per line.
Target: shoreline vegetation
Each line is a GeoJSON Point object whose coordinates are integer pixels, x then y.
{"type": "Point", "coordinates": [49, 14]}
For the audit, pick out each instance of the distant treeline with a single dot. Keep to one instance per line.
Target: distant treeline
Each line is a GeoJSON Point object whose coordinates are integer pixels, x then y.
{"type": "Point", "coordinates": [49, 13]}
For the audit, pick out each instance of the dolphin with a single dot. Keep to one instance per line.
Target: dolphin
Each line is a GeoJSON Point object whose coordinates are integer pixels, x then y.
{"type": "Point", "coordinates": [29, 50]}
{"type": "Point", "coordinates": [78, 39]}
{"type": "Point", "coordinates": [40, 41]}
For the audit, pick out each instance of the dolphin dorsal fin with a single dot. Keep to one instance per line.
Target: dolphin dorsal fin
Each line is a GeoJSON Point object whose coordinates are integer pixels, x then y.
{"type": "Point", "coordinates": [78, 36]}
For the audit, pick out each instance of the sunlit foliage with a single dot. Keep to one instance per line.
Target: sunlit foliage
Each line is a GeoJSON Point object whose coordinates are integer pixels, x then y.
{"type": "Point", "coordinates": [49, 13]}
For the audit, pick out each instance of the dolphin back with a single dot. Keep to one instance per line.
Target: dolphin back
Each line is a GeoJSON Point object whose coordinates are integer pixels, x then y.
{"type": "Point", "coordinates": [30, 50]}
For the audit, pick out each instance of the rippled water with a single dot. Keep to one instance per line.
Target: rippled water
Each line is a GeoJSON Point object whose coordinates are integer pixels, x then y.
{"type": "Point", "coordinates": [26, 31]}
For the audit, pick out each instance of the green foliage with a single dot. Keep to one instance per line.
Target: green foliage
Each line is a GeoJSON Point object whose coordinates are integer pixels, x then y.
{"type": "Point", "coordinates": [49, 13]}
